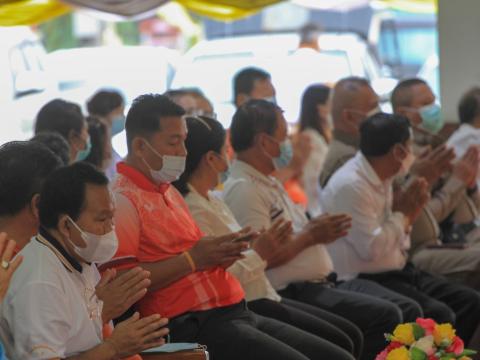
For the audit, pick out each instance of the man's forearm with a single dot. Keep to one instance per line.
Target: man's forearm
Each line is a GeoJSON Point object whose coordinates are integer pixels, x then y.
{"type": "Point", "coordinates": [165, 272]}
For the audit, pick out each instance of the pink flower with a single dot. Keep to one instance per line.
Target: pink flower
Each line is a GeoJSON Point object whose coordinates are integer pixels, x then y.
{"type": "Point", "coordinates": [457, 346]}
{"type": "Point", "coordinates": [427, 324]}
{"type": "Point", "coordinates": [394, 345]}
{"type": "Point", "coordinates": [433, 357]}
{"type": "Point", "coordinates": [382, 355]}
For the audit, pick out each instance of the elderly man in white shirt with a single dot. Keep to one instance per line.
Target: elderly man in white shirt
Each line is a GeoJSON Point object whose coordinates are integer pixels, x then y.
{"type": "Point", "coordinates": [376, 246]}
{"type": "Point", "coordinates": [257, 199]}
{"type": "Point", "coordinates": [51, 310]}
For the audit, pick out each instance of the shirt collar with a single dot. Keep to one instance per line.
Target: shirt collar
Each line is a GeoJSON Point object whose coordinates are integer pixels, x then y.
{"type": "Point", "coordinates": [368, 170]}
{"type": "Point", "coordinates": [140, 179]}
{"type": "Point", "coordinates": [47, 239]}
{"type": "Point", "coordinates": [240, 168]}
{"type": "Point", "coordinates": [346, 138]}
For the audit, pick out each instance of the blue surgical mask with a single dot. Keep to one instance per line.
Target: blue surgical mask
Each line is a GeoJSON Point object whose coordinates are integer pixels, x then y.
{"type": "Point", "coordinates": [286, 155]}
{"type": "Point", "coordinates": [432, 119]}
{"type": "Point", "coordinates": [118, 124]}
{"type": "Point", "coordinates": [83, 154]}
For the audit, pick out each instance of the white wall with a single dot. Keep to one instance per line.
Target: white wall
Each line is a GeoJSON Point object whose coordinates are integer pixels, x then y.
{"type": "Point", "coordinates": [459, 44]}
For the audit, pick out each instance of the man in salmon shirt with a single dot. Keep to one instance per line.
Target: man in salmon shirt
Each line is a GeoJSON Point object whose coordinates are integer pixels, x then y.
{"type": "Point", "coordinates": [190, 286]}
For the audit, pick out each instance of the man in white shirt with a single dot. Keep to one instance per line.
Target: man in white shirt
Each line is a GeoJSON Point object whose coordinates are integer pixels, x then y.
{"type": "Point", "coordinates": [24, 166]}
{"type": "Point", "coordinates": [257, 199]}
{"type": "Point", "coordinates": [379, 239]}
{"type": "Point", "coordinates": [51, 310]}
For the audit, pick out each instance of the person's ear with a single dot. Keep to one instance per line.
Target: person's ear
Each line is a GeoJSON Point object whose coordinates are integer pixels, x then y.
{"type": "Point", "coordinates": [138, 147]}
{"type": "Point", "coordinates": [73, 139]}
{"type": "Point", "coordinates": [34, 206]}
{"type": "Point", "coordinates": [398, 152]}
{"type": "Point", "coordinates": [64, 226]}
{"type": "Point", "coordinates": [241, 99]}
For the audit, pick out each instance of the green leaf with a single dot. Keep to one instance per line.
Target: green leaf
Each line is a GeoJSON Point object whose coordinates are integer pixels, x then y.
{"type": "Point", "coordinates": [468, 352]}
{"type": "Point", "coordinates": [417, 354]}
{"type": "Point", "coordinates": [418, 331]}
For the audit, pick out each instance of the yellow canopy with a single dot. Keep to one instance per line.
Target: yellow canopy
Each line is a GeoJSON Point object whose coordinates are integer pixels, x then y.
{"type": "Point", "coordinates": [29, 12]}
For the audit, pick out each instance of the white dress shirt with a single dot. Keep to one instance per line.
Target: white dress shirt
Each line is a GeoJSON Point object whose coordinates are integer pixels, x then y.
{"type": "Point", "coordinates": [377, 241]}
{"type": "Point", "coordinates": [51, 310]}
{"type": "Point", "coordinates": [215, 219]}
{"type": "Point", "coordinates": [254, 198]}
{"type": "Point", "coordinates": [312, 170]}
{"type": "Point", "coordinates": [463, 138]}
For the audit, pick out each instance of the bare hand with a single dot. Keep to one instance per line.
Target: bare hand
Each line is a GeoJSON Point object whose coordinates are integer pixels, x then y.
{"type": "Point", "coordinates": [269, 241]}
{"type": "Point", "coordinates": [413, 199]}
{"type": "Point", "coordinates": [134, 335]}
{"type": "Point", "coordinates": [328, 228]}
{"type": "Point", "coordinates": [119, 293]}
{"type": "Point", "coordinates": [7, 248]}
{"type": "Point", "coordinates": [431, 165]}
{"type": "Point", "coordinates": [218, 251]}
{"type": "Point", "coordinates": [467, 167]}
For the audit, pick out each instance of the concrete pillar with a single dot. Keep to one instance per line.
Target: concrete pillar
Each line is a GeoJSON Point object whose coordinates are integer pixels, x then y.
{"type": "Point", "coordinates": [459, 47]}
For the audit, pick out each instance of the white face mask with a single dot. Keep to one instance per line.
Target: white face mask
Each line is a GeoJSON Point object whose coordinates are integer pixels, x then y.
{"type": "Point", "coordinates": [100, 248]}
{"type": "Point", "coordinates": [172, 168]}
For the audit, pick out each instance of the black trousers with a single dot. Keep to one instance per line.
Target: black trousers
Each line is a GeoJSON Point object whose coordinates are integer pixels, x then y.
{"type": "Point", "coordinates": [373, 308]}
{"type": "Point", "coordinates": [441, 299]}
{"type": "Point", "coordinates": [321, 323]}
{"type": "Point", "coordinates": [236, 333]}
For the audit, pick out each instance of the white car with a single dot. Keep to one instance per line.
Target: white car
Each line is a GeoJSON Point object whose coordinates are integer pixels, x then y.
{"type": "Point", "coordinates": [211, 66]}
{"type": "Point", "coordinates": [78, 73]}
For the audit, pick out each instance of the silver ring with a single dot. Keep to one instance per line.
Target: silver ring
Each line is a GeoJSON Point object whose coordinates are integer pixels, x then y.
{"type": "Point", "coordinates": [5, 264]}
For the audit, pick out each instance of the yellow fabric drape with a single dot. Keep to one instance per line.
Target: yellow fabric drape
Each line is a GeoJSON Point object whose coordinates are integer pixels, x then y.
{"type": "Point", "coordinates": [28, 12]}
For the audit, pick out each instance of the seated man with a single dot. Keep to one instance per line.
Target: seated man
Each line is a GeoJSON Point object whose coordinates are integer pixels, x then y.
{"type": "Point", "coordinates": [51, 309]}
{"type": "Point", "coordinates": [190, 285]}
{"type": "Point", "coordinates": [257, 199]}
{"type": "Point", "coordinates": [455, 198]}
{"type": "Point", "coordinates": [24, 166]}
{"type": "Point", "coordinates": [376, 248]}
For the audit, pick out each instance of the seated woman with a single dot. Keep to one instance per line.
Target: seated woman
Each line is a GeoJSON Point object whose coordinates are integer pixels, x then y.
{"type": "Point", "coordinates": [65, 118]}
{"type": "Point", "coordinates": [314, 124]}
{"type": "Point", "coordinates": [207, 167]}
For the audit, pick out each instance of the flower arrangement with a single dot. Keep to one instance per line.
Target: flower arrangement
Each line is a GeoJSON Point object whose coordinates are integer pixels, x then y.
{"type": "Point", "coordinates": [424, 340]}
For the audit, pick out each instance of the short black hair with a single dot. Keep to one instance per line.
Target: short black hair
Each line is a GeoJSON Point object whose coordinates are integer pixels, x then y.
{"type": "Point", "coordinates": [98, 137]}
{"type": "Point", "coordinates": [401, 95]}
{"type": "Point", "coordinates": [64, 192]}
{"type": "Point", "coordinates": [60, 116]}
{"type": "Point", "coordinates": [204, 134]}
{"type": "Point", "coordinates": [244, 80]}
{"type": "Point", "coordinates": [104, 102]}
{"type": "Point", "coordinates": [469, 106]}
{"type": "Point", "coordinates": [380, 132]}
{"type": "Point", "coordinates": [253, 117]}
{"type": "Point", "coordinates": [24, 166]}
{"type": "Point", "coordinates": [143, 118]}
{"type": "Point", "coordinates": [309, 33]}
{"type": "Point", "coordinates": [56, 143]}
